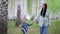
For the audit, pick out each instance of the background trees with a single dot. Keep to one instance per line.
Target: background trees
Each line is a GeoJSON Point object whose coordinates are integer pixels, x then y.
{"type": "Point", "coordinates": [18, 16]}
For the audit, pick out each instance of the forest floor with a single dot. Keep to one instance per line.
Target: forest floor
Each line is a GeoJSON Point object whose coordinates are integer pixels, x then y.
{"type": "Point", "coordinates": [54, 28]}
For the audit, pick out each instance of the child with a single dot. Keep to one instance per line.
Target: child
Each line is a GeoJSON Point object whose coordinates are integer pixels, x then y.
{"type": "Point", "coordinates": [25, 25]}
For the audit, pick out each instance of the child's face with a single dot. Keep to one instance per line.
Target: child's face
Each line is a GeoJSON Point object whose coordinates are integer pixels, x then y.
{"type": "Point", "coordinates": [24, 19]}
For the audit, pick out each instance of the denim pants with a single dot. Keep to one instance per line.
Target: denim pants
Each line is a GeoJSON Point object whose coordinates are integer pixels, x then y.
{"type": "Point", "coordinates": [44, 30]}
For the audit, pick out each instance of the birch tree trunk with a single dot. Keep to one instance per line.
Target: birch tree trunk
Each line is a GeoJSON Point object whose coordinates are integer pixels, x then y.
{"type": "Point", "coordinates": [18, 16]}
{"type": "Point", "coordinates": [23, 4]}
{"type": "Point", "coordinates": [34, 8]}
{"type": "Point", "coordinates": [3, 16]}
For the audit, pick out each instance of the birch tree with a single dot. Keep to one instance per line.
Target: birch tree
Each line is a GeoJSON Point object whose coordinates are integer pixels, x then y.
{"type": "Point", "coordinates": [18, 16]}
{"type": "Point", "coordinates": [3, 16]}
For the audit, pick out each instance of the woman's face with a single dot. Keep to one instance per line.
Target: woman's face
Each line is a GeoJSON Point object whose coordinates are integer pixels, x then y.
{"type": "Point", "coordinates": [43, 6]}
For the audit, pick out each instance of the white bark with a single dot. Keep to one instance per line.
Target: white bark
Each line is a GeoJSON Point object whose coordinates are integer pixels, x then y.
{"type": "Point", "coordinates": [23, 4]}
{"type": "Point", "coordinates": [3, 16]}
{"type": "Point", "coordinates": [11, 8]}
{"type": "Point", "coordinates": [33, 8]}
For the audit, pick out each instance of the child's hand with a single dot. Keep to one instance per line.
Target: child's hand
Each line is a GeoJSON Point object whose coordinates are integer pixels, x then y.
{"type": "Point", "coordinates": [33, 21]}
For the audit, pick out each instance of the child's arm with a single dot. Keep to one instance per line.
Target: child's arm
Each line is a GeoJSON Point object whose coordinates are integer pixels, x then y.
{"type": "Point", "coordinates": [29, 24]}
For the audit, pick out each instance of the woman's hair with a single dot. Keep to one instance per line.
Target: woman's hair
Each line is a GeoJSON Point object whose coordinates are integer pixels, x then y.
{"type": "Point", "coordinates": [43, 12]}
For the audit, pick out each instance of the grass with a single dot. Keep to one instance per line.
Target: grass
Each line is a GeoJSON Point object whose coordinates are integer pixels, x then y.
{"type": "Point", "coordinates": [54, 28]}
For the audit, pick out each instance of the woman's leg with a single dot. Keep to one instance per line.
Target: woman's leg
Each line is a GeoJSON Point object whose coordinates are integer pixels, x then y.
{"type": "Point", "coordinates": [41, 30]}
{"type": "Point", "coordinates": [45, 30]}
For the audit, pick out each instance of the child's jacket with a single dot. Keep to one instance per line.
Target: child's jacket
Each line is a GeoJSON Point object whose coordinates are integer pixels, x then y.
{"type": "Point", "coordinates": [25, 26]}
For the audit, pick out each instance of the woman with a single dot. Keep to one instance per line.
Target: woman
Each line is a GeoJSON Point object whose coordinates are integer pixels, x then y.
{"type": "Point", "coordinates": [43, 19]}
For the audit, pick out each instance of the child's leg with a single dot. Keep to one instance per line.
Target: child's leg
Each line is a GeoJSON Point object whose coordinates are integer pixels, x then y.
{"type": "Point", "coordinates": [41, 30]}
{"type": "Point", "coordinates": [45, 30]}
{"type": "Point", "coordinates": [23, 30]}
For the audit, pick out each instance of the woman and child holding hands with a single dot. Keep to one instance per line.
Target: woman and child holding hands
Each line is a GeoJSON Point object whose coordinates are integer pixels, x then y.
{"type": "Point", "coordinates": [42, 18]}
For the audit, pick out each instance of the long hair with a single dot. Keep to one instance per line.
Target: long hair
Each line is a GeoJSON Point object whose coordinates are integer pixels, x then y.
{"type": "Point", "coordinates": [43, 12]}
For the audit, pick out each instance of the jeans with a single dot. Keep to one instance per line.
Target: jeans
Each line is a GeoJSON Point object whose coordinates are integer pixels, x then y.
{"type": "Point", "coordinates": [44, 30]}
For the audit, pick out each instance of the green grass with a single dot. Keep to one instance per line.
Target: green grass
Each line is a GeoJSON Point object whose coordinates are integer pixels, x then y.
{"type": "Point", "coordinates": [12, 29]}
{"type": "Point", "coordinates": [54, 28]}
